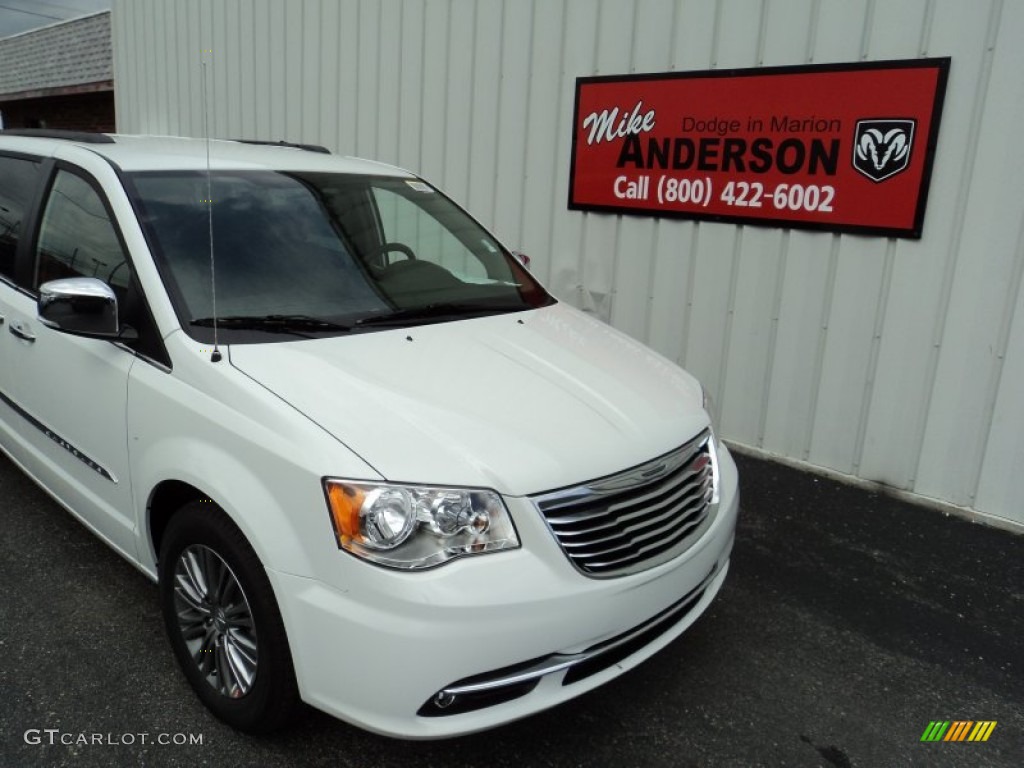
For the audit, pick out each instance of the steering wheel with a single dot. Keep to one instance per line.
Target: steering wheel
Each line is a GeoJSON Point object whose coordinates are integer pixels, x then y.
{"type": "Point", "coordinates": [114, 271]}
{"type": "Point", "coordinates": [394, 247]}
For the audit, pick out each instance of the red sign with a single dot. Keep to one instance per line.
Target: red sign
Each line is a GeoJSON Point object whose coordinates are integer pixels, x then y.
{"type": "Point", "coordinates": [845, 148]}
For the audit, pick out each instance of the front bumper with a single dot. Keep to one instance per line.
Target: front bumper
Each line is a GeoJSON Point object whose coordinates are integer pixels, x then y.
{"type": "Point", "coordinates": [493, 638]}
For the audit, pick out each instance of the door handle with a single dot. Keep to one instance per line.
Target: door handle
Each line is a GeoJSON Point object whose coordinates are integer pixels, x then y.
{"type": "Point", "coordinates": [22, 332]}
{"type": "Point", "coordinates": [1, 319]}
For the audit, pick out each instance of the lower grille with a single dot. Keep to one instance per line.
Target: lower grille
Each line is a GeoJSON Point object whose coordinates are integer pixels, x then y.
{"type": "Point", "coordinates": [611, 652]}
{"type": "Point", "coordinates": [509, 683]}
{"type": "Point", "coordinates": [639, 518]}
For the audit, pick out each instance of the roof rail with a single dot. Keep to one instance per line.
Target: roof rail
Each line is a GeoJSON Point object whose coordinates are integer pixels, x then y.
{"type": "Point", "coordinates": [307, 147]}
{"type": "Point", "coordinates": [84, 137]}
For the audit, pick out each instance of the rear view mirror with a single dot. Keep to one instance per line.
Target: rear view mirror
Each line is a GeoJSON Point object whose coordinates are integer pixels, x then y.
{"type": "Point", "coordinates": [81, 306]}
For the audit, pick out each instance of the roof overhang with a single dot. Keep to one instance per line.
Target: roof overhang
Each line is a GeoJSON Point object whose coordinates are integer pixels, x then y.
{"type": "Point", "coordinates": [63, 90]}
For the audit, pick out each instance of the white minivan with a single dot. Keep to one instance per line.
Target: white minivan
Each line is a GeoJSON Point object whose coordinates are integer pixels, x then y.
{"type": "Point", "coordinates": [371, 462]}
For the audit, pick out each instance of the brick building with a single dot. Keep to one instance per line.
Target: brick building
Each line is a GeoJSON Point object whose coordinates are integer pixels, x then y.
{"type": "Point", "coordinates": [59, 76]}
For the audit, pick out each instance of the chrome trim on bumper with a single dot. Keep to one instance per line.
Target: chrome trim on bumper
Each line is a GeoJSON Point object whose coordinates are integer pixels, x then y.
{"type": "Point", "coordinates": [564, 661]}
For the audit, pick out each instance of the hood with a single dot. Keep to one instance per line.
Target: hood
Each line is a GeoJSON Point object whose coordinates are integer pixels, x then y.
{"type": "Point", "coordinates": [522, 402]}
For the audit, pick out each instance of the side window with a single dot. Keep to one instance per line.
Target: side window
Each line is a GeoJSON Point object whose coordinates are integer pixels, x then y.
{"type": "Point", "coordinates": [77, 238]}
{"type": "Point", "coordinates": [406, 223]}
{"type": "Point", "coordinates": [18, 180]}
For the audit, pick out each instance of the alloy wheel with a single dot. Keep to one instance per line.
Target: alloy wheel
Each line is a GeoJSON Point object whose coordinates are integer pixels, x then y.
{"type": "Point", "coordinates": [215, 621]}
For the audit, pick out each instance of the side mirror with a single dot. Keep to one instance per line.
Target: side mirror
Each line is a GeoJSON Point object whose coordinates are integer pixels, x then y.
{"type": "Point", "coordinates": [81, 306]}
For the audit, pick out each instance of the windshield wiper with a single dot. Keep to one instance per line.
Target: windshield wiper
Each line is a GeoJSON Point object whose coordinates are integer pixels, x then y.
{"type": "Point", "coordinates": [294, 324]}
{"type": "Point", "coordinates": [440, 311]}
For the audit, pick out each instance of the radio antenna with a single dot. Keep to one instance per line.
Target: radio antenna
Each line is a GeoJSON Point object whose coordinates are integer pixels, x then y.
{"type": "Point", "coordinates": [215, 356]}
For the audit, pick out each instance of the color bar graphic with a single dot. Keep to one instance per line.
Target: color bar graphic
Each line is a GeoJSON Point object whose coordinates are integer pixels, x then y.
{"type": "Point", "coordinates": [982, 730]}
{"type": "Point", "coordinates": [958, 730]}
{"type": "Point", "coordinates": [935, 730]}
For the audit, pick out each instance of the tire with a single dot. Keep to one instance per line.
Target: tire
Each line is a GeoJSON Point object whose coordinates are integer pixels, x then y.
{"type": "Point", "coordinates": [223, 622]}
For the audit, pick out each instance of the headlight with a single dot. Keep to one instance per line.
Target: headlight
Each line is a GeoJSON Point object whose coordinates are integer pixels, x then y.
{"type": "Point", "coordinates": [709, 408]}
{"type": "Point", "coordinates": [413, 527]}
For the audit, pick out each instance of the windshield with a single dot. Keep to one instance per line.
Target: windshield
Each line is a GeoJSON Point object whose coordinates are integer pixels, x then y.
{"type": "Point", "coordinates": [314, 254]}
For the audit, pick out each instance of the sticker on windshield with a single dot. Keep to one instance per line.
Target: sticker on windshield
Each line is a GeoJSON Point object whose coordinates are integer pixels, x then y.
{"type": "Point", "coordinates": [419, 186]}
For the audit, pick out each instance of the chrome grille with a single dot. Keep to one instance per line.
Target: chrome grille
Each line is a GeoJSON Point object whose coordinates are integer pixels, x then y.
{"type": "Point", "coordinates": [636, 519]}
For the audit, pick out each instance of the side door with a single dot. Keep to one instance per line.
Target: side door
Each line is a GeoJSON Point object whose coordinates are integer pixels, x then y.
{"type": "Point", "coordinates": [20, 179]}
{"type": "Point", "coordinates": [70, 392]}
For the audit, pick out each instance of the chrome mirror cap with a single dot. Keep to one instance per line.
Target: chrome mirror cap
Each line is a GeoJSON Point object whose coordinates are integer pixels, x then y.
{"type": "Point", "coordinates": [83, 306]}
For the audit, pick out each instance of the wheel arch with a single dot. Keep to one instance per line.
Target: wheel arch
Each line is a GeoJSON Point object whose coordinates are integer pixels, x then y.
{"type": "Point", "coordinates": [259, 508]}
{"type": "Point", "coordinates": [165, 500]}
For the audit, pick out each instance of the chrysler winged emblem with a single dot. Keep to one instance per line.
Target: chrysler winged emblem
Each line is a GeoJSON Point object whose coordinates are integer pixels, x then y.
{"type": "Point", "coordinates": [882, 147]}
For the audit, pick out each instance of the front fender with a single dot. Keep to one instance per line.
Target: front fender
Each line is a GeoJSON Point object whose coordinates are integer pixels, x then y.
{"type": "Point", "coordinates": [253, 504]}
{"type": "Point", "coordinates": [262, 461]}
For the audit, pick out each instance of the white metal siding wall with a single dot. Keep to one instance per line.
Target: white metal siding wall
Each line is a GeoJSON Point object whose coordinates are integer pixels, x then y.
{"type": "Point", "coordinates": [892, 360]}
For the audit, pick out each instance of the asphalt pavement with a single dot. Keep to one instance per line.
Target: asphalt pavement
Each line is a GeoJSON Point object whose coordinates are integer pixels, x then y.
{"type": "Point", "coordinates": [849, 621]}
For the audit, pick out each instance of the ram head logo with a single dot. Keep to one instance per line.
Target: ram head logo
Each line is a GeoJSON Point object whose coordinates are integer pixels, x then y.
{"type": "Point", "coordinates": [882, 147]}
